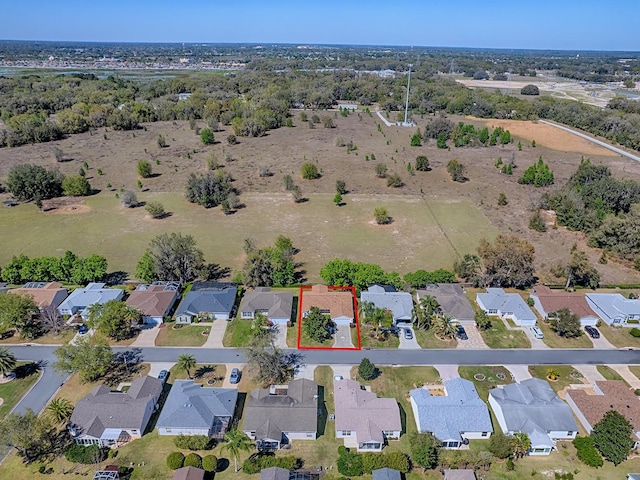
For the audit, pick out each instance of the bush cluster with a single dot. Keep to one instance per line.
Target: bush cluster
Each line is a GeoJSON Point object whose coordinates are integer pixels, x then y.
{"type": "Point", "coordinates": [587, 452]}
{"type": "Point", "coordinates": [85, 454]}
{"type": "Point", "coordinates": [259, 461]}
{"type": "Point", "coordinates": [175, 460]}
{"type": "Point", "coordinates": [352, 464]}
{"type": "Point", "coordinates": [194, 442]}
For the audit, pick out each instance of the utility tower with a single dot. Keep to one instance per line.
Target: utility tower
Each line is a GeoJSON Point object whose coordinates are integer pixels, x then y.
{"type": "Point", "coordinates": [406, 122]}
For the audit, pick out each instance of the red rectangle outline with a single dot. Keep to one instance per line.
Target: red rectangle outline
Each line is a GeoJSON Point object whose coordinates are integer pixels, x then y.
{"type": "Point", "coordinates": [355, 313]}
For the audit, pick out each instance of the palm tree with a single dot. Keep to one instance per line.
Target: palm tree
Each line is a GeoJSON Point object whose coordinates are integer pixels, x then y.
{"type": "Point", "coordinates": [237, 442]}
{"type": "Point", "coordinates": [444, 326]}
{"type": "Point", "coordinates": [520, 444]}
{"type": "Point", "coordinates": [59, 410]}
{"type": "Point", "coordinates": [7, 361]}
{"type": "Point", "coordinates": [186, 362]}
{"type": "Point", "coordinates": [430, 304]}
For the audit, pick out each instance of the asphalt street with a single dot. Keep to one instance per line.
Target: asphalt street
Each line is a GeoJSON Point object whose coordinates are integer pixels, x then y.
{"type": "Point", "coordinates": [51, 380]}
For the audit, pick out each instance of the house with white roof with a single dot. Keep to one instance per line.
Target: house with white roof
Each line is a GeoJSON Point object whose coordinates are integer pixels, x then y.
{"type": "Point", "coordinates": [613, 308]}
{"type": "Point", "coordinates": [82, 298]}
{"type": "Point", "coordinates": [453, 418]}
{"type": "Point", "coordinates": [496, 302]}
{"type": "Point", "coordinates": [400, 304]}
{"type": "Point", "coordinates": [532, 407]}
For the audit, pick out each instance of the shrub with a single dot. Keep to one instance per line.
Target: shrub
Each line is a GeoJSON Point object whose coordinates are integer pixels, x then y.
{"type": "Point", "coordinates": [381, 170]}
{"type": "Point", "coordinates": [128, 199]}
{"type": "Point", "coordinates": [394, 180]}
{"type": "Point", "coordinates": [155, 209]}
{"type": "Point", "coordinates": [231, 139]}
{"type": "Point", "coordinates": [340, 142]}
{"type": "Point", "coordinates": [500, 445]}
{"type": "Point", "coordinates": [537, 223]}
{"type": "Point", "coordinates": [381, 215]}
{"type": "Point", "coordinates": [587, 452]}
{"type": "Point", "coordinates": [210, 463]}
{"type": "Point", "coordinates": [193, 442]}
{"type": "Point", "coordinates": [422, 163]}
{"type": "Point", "coordinates": [341, 187]}
{"type": "Point", "coordinates": [264, 171]}
{"type": "Point", "coordinates": [29, 182]}
{"type": "Point", "coordinates": [257, 462]}
{"type": "Point", "coordinates": [539, 175]}
{"type": "Point", "coordinates": [416, 139]}
{"type": "Point", "coordinates": [367, 370]}
{"type": "Point", "coordinates": [315, 118]}
{"type": "Point", "coordinates": [161, 141]}
{"type": "Point", "coordinates": [635, 332]}
{"type": "Point", "coordinates": [350, 464]}
{"type": "Point", "coordinates": [309, 171]}
{"type": "Point", "coordinates": [288, 182]}
{"type": "Point", "coordinates": [456, 170]}
{"type": "Point", "coordinates": [502, 200]}
{"type": "Point", "coordinates": [87, 455]}
{"type": "Point", "coordinates": [175, 460]}
{"type": "Point", "coordinates": [193, 460]}
{"type": "Point", "coordinates": [530, 90]}
{"type": "Point", "coordinates": [327, 122]}
{"type": "Point", "coordinates": [207, 137]}
{"type": "Point", "coordinates": [144, 168]}
{"type": "Point", "coordinates": [303, 117]}
{"type": "Point", "coordinates": [76, 186]}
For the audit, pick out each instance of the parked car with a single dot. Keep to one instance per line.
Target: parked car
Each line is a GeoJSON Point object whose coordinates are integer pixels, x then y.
{"type": "Point", "coordinates": [592, 331]}
{"type": "Point", "coordinates": [337, 378]}
{"type": "Point", "coordinates": [537, 333]}
{"type": "Point", "coordinates": [163, 375]}
{"type": "Point", "coordinates": [83, 329]}
{"type": "Point", "coordinates": [235, 375]}
{"type": "Point", "coordinates": [461, 333]}
{"type": "Point", "coordinates": [408, 334]}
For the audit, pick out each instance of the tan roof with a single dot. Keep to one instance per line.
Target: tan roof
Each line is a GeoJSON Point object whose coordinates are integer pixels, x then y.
{"type": "Point", "coordinates": [554, 300]}
{"type": "Point", "coordinates": [154, 301]}
{"type": "Point", "coordinates": [363, 412]}
{"type": "Point", "coordinates": [617, 396]}
{"type": "Point", "coordinates": [43, 293]}
{"type": "Point", "coordinates": [188, 473]}
{"type": "Point", "coordinates": [338, 303]}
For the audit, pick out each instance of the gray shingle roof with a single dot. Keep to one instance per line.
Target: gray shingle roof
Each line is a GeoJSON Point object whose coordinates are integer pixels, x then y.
{"type": "Point", "coordinates": [460, 410]}
{"type": "Point", "coordinates": [386, 474]}
{"type": "Point", "coordinates": [297, 411]}
{"type": "Point", "coordinates": [103, 408]}
{"type": "Point", "coordinates": [213, 301]}
{"type": "Point", "coordinates": [497, 299]}
{"type": "Point", "coordinates": [189, 405]}
{"type": "Point", "coordinates": [274, 473]}
{"type": "Point", "coordinates": [611, 306]}
{"type": "Point", "coordinates": [451, 299]}
{"type": "Point", "coordinates": [278, 304]}
{"type": "Point", "coordinates": [399, 303]}
{"type": "Point", "coordinates": [532, 407]}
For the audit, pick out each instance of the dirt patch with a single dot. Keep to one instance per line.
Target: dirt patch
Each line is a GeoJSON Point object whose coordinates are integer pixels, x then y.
{"type": "Point", "coordinates": [65, 206]}
{"type": "Point", "coordinates": [550, 137]}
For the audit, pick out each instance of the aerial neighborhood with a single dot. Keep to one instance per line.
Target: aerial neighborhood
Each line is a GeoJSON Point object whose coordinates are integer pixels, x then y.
{"type": "Point", "coordinates": [305, 262]}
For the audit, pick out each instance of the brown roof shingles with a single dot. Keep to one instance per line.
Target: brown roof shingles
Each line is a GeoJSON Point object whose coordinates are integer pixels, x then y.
{"type": "Point", "coordinates": [154, 301]}
{"type": "Point", "coordinates": [554, 300]}
{"type": "Point", "coordinates": [338, 303]}
{"type": "Point", "coordinates": [45, 296]}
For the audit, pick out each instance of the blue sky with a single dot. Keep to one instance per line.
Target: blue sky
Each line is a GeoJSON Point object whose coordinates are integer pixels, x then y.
{"type": "Point", "coordinates": [541, 24]}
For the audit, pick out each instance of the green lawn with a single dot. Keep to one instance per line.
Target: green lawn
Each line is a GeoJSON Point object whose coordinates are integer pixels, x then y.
{"type": "Point", "coordinates": [184, 336]}
{"type": "Point", "coordinates": [568, 375]}
{"type": "Point", "coordinates": [11, 392]}
{"type": "Point", "coordinates": [203, 373]}
{"type": "Point", "coordinates": [369, 340]}
{"type": "Point", "coordinates": [619, 336]}
{"type": "Point", "coordinates": [635, 369]}
{"type": "Point", "coordinates": [609, 373]}
{"type": "Point", "coordinates": [414, 237]}
{"type": "Point", "coordinates": [552, 339]}
{"type": "Point", "coordinates": [48, 339]}
{"type": "Point", "coordinates": [499, 337]}
{"type": "Point", "coordinates": [427, 339]}
{"type": "Point", "coordinates": [237, 334]}
{"type": "Point", "coordinates": [491, 378]}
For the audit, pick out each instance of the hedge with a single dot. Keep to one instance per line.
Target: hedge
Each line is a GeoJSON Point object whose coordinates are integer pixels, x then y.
{"type": "Point", "coordinates": [587, 452]}
{"type": "Point", "coordinates": [175, 460]}
{"type": "Point", "coordinates": [210, 463]}
{"type": "Point", "coordinates": [259, 461]}
{"type": "Point", "coordinates": [193, 442]}
{"type": "Point", "coordinates": [193, 460]}
{"type": "Point", "coordinates": [81, 454]}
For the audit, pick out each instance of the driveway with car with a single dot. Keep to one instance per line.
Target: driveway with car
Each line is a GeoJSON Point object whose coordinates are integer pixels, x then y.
{"type": "Point", "coordinates": [474, 339]}
{"type": "Point", "coordinates": [405, 342]}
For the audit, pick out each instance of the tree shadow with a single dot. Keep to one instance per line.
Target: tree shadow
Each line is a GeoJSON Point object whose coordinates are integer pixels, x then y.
{"type": "Point", "coordinates": [213, 271]}
{"type": "Point", "coordinates": [115, 278]}
{"type": "Point", "coordinates": [26, 370]}
{"type": "Point", "coordinates": [323, 415]}
{"type": "Point", "coordinates": [93, 191]}
{"type": "Point", "coordinates": [204, 371]}
{"type": "Point", "coordinates": [223, 464]}
{"type": "Point", "coordinates": [125, 365]}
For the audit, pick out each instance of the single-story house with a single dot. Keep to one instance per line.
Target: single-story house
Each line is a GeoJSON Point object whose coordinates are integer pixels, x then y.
{"type": "Point", "coordinates": [82, 298]}
{"type": "Point", "coordinates": [633, 476]}
{"type": "Point", "coordinates": [207, 301]}
{"type": "Point", "coordinates": [459, 474]}
{"type": "Point", "coordinates": [591, 405]}
{"type": "Point", "coordinates": [276, 415]}
{"type": "Point", "coordinates": [278, 473]}
{"type": "Point", "coordinates": [109, 472]}
{"type": "Point", "coordinates": [45, 294]}
{"type": "Point", "coordinates": [276, 306]}
{"type": "Point", "coordinates": [113, 418]}
{"type": "Point", "coordinates": [386, 474]}
{"type": "Point", "coordinates": [547, 302]}
{"type": "Point", "coordinates": [3, 287]}
{"type": "Point", "coordinates": [453, 418]}
{"type": "Point", "coordinates": [613, 308]}
{"type": "Point", "coordinates": [497, 303]}
{"type": "Point", "coordinates": [338, 304]}
{"type": "Point", "coordinates": [400, 304]}
{"type": "Point", "coordinates": [532, 407]}
{"type": "Point", "coordinates": [188, 473]}
{"type": "Point", "coordinates": [362, 419]}
{"type": "Point", "coordinates": [452, 301]}
{"type": "Point", "coordinates": [191, 409]}
{"type": "Point", "coordinates": [155, 301]}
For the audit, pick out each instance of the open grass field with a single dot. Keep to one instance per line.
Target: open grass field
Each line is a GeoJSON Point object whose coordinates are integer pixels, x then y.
{"type": "Point", "coordinates": [435, 219]}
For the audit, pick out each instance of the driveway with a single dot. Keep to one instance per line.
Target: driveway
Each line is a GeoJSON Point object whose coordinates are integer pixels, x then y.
{"type": "Point", "coordinates": [216, 333]}
{"type": "Point", "coordinates": [343, 337]}
{"type": "Point", "coordinates": [536, 343]}
{"type": "Point", "coordinates": [230, 366]}
{"type": "Point", "coordinates": [344, 370]}
{"type": "Point", "coordinates": [147, 336]}
{"type": "Point", "coordinates": [475, 341]}
{"type": "Point", "coordinates": [447, 372]}
{"type": "Point", "coordinates": [406, 344]}
{"type": "Point", "coordinates": [601, 342]}
{"type": "Point", "coordinates": [280, 336]}
{"type": "Point", "coordinates": [155, 367]}
{"type": "Point", "coordinates": [590, 373]}
{"type": "Point", "coordinates": [519, 372]}
{"type": "Point", "coordinates": [625, 373]}
{"type": "Point", "coordinates": [305, 371]}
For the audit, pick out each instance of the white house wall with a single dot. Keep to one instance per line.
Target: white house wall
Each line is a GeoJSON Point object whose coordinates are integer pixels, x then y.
{"type": "Point", "coordinates": [183, 431]}
{"type": "Point", "coordinates": [498, 413]}
{"type": "Point", "coordinates": [578, 413]}
{"type": "Point", "coordinates": [301, 435]}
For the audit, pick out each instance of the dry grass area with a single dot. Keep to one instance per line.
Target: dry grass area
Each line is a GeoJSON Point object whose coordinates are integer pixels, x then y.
{"type": "Point", "coordinates": [435, 219]}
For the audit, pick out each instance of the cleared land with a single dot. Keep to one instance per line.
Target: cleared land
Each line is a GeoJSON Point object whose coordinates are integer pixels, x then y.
{"type": "Point", "coordinates": [435, 219]}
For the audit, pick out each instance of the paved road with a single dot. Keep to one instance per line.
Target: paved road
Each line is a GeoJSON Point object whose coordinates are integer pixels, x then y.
{"type": "Point", "coordinates": [51, 380]}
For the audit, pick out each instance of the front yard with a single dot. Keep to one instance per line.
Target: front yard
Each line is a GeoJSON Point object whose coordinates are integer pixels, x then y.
{"type": "Point", "coordinates": [552, 339]}
{"type": "Point", "coordinates": [370, 339]}
{"type": "Point", "coordinates": [237, 334]}
{"type": "Point", "coordinates": [428, 339]}
{"type": "Point", "coordinates": [498, 336]}
{"type": "Point", "coordinates": [567, 375]}
{"type": "Point", "coordinates": [11, 392]}
{"type": "Point", "coordinates": [178, 335]}
{"type": "Point", "coordinates": [485, 378]}
{"type": "Point", "coordinates": [619, 336]}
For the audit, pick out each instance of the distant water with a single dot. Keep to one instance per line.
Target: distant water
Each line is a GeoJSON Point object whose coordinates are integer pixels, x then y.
{"type": "Point", "coordinates": [626, 94]}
